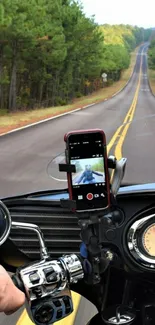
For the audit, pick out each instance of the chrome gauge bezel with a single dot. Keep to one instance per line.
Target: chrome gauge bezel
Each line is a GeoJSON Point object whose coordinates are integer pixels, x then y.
{"type": "Point", "coordinates": [133, 244]}
{"type": "Point", "coordinates": [150, 226]}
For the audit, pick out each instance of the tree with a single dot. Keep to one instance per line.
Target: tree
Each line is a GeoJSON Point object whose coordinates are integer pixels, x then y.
{"type": "Point", "coordinates": [50, 52]}
{"type": "Point", "coordinates": [119, 41]}
{"type": "Point", "coordinates": [151, 53]}
{"type": "Point", "coordinates": [28, 22]}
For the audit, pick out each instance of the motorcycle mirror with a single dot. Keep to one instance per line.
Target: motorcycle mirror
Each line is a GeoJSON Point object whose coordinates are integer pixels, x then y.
{"type": "Point", "coordinates": [5, 223]}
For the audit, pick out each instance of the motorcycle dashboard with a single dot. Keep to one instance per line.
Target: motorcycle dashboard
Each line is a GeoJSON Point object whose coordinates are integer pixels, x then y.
{"type": "Point", "coordinates": [133, 240]}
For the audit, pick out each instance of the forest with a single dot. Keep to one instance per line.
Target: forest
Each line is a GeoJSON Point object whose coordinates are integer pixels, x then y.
{"type": "Point", "coordinates": [151, 52]}
{"type": "Point", "coordinates": [51, 53]}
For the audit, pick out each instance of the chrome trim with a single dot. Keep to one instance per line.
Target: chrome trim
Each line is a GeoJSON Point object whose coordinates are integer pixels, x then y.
{"type": "Point", "coordinates": [123, 319]}
{"type": "Point", "coordinates": [124, 316]}
{"type": "Point", "coordinates": [59, 284]}
{"type": "Point", "coordinates": [36, 229]}
{"type": "Point", "coordinates": [8, 218]}
{"type": "Point", "coordinates": [74, 267]}
{"type": "Point", "coordinates": [50, 282]}
{"type": "Point", "coordinates": [133, 245]}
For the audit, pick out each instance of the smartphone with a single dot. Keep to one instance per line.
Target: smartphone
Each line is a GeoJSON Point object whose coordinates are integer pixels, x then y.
{"type": "Point", "coordinates": [89, 186]}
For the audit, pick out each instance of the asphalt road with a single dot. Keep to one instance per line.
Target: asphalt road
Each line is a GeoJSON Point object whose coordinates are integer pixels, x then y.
{"type": "Point", "coordinates": [139, 143]}
{"type": "Point", "coordinates": [24, 155]}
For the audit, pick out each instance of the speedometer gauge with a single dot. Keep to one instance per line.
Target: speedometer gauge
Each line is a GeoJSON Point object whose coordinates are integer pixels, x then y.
{"type": "Point", "coordinates": [141, 241]}
{"type": "Point", "coordinates": [149, 240]}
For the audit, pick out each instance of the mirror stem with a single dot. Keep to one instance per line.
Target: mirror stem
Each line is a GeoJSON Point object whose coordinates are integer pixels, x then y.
{"type": "Point", "coordinates": [20, 225]}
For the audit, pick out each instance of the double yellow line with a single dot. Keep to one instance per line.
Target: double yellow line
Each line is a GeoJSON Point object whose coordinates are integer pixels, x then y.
{"type": "Point", "coordinates": [120, 134]}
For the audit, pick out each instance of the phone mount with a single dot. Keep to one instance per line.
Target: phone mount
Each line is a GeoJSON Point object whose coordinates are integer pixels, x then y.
{"type": "Point", "coordinates": [119, 172]}
{"type": "Point", "coordinates": [95, 224]}
{"type": "Point", "coordinates": [118, 167]}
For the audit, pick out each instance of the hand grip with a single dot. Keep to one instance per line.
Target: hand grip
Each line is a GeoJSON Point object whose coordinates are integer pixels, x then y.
{"type": "Point", "coordinates": [17, 282]}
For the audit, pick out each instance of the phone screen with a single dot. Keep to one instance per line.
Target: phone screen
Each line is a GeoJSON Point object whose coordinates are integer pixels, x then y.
{"type": "Point", "coordinates": [87, 152]}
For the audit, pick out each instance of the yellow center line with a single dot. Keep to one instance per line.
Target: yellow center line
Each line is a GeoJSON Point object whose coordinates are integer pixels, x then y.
{"type": "Point", "coordinates": [122, 130]}
{"type": "Point", "coordinates": [128, 119]}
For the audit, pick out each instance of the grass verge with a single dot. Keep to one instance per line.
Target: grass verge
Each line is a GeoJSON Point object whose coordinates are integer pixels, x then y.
{"type": "Point", "coordinates": [12, 121]}
{"type": "Point", "coordinates": [151, 74]}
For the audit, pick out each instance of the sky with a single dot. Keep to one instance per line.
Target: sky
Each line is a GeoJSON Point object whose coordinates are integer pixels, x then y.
{"type": "Point", "coordinates": [133, 12]}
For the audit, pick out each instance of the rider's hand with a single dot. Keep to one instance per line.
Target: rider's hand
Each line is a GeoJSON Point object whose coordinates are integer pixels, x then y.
{"type": "Point", "coordinates": [11, 298]}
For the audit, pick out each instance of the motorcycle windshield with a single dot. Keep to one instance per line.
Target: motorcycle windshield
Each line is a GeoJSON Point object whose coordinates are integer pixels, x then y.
{"type": "Point", "coordinates": [30, 159]}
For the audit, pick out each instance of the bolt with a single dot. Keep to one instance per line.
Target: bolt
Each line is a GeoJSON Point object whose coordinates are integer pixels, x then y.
{"type": "Point", "coordinates": [97, 277]}
{"type": "Point", "coordinates": [70, 260]}
{"type": "Point", "coordinates": [96, 259]}
{"type": "Point", "coordinates": [109, 255]}
{"type": "Point", "coordinates": [109, 221]}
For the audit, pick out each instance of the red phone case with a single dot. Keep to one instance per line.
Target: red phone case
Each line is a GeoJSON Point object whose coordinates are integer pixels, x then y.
{"type": "Point", "coordinates": [66, 136]}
